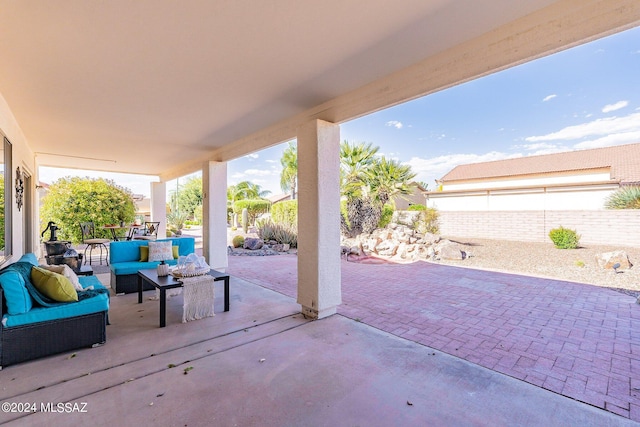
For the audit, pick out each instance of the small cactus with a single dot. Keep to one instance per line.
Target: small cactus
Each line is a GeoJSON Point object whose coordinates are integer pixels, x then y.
{"type": "Point", "coordinates": [245, 220]}
{"type": "Point", "coordinates": [238, 241]}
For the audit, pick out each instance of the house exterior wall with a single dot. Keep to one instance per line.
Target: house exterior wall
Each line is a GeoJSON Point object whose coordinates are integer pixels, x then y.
{"type": "Point", "coordinates": [544, 198]}
{"type": "Point", "coordinates": [415, 198]}
{"type": "Point", "coordinates": [604, 227]}
{"type": "Point", "coordinates": [572, 177]}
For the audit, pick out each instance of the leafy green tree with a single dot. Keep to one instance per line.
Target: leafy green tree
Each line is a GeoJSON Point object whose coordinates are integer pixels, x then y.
{"type": "Point", "coordinates": [72, 200]}
{"type": "Point", "coordinates": [289, 174]}
{"type": "Point", "coordinates": [187, 196]}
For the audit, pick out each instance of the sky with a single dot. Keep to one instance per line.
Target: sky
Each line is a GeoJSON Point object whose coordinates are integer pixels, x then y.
{"type": "Point", "coordinates": [584, 97]}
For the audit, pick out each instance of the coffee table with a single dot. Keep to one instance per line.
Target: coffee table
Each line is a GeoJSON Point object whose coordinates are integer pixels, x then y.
{"type": "Point", "coordinates": [169, 282]}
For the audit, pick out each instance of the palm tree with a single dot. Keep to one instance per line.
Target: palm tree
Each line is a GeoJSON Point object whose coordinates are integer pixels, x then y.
{"type": "Point", "coordinates": [356, 161]}
{"type": "Point", "coordinates": [289, 174]}
{"type": "Point", "coordinates": [388, 178]}
{"type": "Point", "coordinates": [245, 190]}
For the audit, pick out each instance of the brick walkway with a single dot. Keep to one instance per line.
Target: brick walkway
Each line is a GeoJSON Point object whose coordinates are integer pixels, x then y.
{"type": "Point", "coordinates": [577, 340]}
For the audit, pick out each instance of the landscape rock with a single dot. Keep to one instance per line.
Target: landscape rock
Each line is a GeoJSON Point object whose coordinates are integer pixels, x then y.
{"type": "Point", "coordinates": [608, 259]}
{"type": "Point", "coordinates": [253, 243]}
{"type": "Point", "coordinates": [280, 247]}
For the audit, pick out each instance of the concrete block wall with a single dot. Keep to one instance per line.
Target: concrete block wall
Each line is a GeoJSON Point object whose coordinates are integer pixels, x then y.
{"type": "Point", "coordinates": [604, 227]}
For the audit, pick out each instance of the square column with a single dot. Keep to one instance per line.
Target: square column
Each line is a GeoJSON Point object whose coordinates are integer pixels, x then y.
{"type": "Point", "coordinates": [214, 214]}
{"type": "Point", "coordinates": [319, 288]}
{"type": "Point", "coordinates": [159, 207]}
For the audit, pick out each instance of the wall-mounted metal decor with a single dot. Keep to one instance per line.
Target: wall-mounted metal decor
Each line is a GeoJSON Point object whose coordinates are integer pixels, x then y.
{"type": "Point", "coordinates": [19, 187]}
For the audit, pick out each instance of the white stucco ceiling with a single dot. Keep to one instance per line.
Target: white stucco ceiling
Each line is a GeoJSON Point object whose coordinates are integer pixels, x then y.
{"type": "Point", "coordinates": [146, 85]}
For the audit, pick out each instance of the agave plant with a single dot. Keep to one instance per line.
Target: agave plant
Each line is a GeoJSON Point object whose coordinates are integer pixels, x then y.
{"type": "Point", "coordinates": [280, 233]}
{"type": "Point", "coordinates": [624, 198]}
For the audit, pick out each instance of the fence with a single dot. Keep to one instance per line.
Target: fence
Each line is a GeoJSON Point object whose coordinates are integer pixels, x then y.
{"type": "Point", "coordinates": [606, 227]}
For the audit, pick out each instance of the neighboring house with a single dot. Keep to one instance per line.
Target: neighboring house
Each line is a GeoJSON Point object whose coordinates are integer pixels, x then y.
{"type": "Point", "coordinates": [576, 180]}
{"type": "Point", "coordinates": [417, 197]}
{"type": "Point", "coordinates": [279, 198]}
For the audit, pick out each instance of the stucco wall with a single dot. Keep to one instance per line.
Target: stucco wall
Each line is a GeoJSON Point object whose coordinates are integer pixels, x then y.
{"type": "Point", "coordinates": [558, 199]}
{"type": "Point", "coordinates": [607, 227]}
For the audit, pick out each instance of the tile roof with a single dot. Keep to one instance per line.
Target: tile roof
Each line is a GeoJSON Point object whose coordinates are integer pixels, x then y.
{"type": "Point", "coordinates": [624, 161]}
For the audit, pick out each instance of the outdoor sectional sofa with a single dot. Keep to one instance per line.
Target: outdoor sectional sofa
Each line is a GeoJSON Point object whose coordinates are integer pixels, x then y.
{"type": "Point", "coordinates": [125, 261]}
{"type": "Point", "coordinates": [30, 330]}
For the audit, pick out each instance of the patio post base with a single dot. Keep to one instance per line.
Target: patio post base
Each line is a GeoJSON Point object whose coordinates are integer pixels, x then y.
{"type": "Point", "coordinates": [318, 314]}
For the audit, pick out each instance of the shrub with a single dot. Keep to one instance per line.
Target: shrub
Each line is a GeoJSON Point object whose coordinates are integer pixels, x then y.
{"type": "Point", "coordinates": [385, 216]}
{"type": "Point", "coordinates": [237, 241]}
{"type": "Point", "coordinates": [254, 208]}
{"type": "Point", "coordinates": [428, 221]}
{"type": "Point", "coordinates": [417, 207]}
{"type": "Point", "coordinates": [564, 238]}
{"type": "Point", "coordinates": [624, 198]}
{"type": "Point", "coordinates": [285, 212]}
{"type": "Point", "coordinates": [279, 232]}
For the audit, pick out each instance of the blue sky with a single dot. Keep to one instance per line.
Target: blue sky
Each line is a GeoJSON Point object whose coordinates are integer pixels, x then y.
{"type": "Point", "coordinates": [584, 97]}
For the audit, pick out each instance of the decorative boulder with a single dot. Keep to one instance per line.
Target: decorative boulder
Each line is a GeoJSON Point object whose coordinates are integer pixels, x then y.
{"type": "Point", "coordinates": [253, 243]}
{"type": "Point", "coordinates": [608, 259]}
{"type": "Point", "coordinates": [450, 251]}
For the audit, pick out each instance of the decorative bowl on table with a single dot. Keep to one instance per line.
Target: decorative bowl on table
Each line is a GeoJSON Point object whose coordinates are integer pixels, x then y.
{"type": "Point", "coordinates": [190, 266]}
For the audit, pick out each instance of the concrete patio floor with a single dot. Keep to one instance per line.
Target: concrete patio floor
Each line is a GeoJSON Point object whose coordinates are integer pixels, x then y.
{"type": "Point", "coordinates": [263, 364]}
{"type": "Point", "coordinates": [576, 340]}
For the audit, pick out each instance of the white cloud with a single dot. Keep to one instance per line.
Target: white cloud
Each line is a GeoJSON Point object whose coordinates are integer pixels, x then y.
{"type": "Point", "coordinates": [610, 140]}
{"type": "Point", "coordinates": [540, 148]}
{"type": "Point", "coordinates": [258, 172]}
{"type": "Point", "coordinates": [613, 107]}
{"type": "Point", "coordinates": [396, 124]}
{"type": "Point", "coordinates": [271, 161]}
{"type": "Point", "coordinates": [600, 127]}
{"type": "Point", "coordinates": [549, 97]}
{"type": "Point", "coordinates": [252, 156]}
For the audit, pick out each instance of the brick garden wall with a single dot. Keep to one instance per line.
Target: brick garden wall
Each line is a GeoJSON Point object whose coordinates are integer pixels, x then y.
{"type": "Point", "coordinates": [606, 227]}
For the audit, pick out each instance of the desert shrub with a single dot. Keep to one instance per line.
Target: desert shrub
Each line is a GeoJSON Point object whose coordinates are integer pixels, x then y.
{"type": "Point", "coordinates": [427, 222]}
{"type": "Point", "coordinates": [285, 212]}
{"type": "Point", "coordinates": [624, 198]}
{"type": "Point", "coordinates": [417, 207]}
{"type": "Point", "coordinates": [385, 216]}
{"type": "Point", "coordinates": [237, 241]}
{"type": "Point", "coordinates": [564, 238]}
{"type": "Point", "coordinates": [254, 208]}
{"type": "Point", "coordinates": [281, 233]}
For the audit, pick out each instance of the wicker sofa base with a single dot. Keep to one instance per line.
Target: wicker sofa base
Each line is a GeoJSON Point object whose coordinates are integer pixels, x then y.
{"type": "Point", "coordinates": [22, 343]}
{"type": "Point", "coordinates": [127, 283]}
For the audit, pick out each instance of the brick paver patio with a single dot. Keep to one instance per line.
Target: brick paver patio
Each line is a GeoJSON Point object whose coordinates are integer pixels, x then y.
{"type": "Point", "coordinates": [577, 340]}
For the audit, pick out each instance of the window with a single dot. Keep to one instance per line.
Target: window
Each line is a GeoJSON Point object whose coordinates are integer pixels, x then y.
{"type": "Point", "coordinates": [5, 201]}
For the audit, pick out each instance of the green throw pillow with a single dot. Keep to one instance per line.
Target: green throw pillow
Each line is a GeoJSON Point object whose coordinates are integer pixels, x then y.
{"type": "Point", "coordinates": [144, 253]}
{"type": "Point", "coordinates": [53, 285]}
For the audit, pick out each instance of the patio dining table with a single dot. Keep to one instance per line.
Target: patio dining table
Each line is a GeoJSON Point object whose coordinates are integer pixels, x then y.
{"type": "Point", "coordinates": [131, 228]}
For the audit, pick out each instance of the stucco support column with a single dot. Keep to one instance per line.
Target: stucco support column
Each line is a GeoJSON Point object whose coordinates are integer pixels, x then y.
{"type": "Point", "coordinates": [214, 214]}
{"type": "Point", "coordinates": [159, 207]}
{"type": "Point", "coordinates": [319, 289]}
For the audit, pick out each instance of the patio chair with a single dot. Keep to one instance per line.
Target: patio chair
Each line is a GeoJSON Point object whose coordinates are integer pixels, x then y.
{"type": "Point", "coordinates": [150, 231]}
{"type": "Point", "coordinates": [89, 238]}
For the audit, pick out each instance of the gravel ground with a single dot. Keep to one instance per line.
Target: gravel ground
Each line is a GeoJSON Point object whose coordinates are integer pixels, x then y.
{"type": "Point", "coordinates": [544, 260]}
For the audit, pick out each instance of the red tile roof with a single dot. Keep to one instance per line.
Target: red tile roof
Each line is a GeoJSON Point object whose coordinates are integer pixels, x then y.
{"type": "Point", "coordinates": [624, 161]}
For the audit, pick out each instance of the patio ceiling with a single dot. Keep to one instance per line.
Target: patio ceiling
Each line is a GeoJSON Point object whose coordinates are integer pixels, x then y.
{"type": "Point", "coordinates": [157, 86]}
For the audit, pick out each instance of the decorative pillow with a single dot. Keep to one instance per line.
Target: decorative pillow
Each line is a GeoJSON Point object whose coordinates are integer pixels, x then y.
{"type": "Point", "coordinates": [15, 293]}
{"type": "Point", "coordinates": [144, 253]}
{"type": "Point", "coordinates": [176, 253]}
{"type": "Point", "coordinates": [53, 285]}
{"type": "Point", "coordinates": [160, 251]}
{"type": "Point", "coordinates": [67, 272]}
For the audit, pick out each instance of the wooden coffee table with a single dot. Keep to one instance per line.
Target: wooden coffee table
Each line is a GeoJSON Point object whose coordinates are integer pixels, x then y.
{"type": "Point", "coordinates": [169, 282]}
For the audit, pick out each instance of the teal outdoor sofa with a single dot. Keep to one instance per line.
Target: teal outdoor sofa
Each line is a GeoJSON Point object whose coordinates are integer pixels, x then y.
{"type": "Point", "coordinates": [33, 326]}
{"type": "Point", "coordinates": [125, 261]}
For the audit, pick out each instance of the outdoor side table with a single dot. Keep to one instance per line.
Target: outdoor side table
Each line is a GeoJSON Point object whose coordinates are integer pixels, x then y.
{"type": "Point", "coordinates": [162, 283]}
